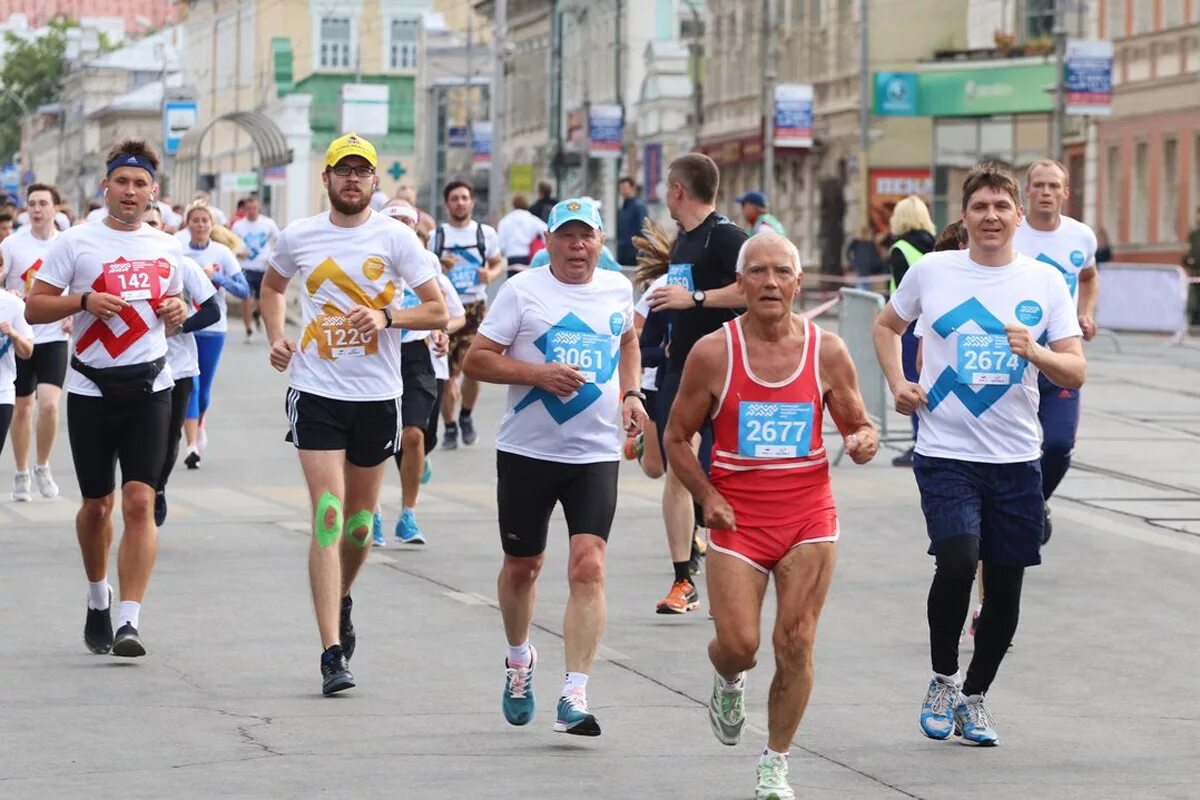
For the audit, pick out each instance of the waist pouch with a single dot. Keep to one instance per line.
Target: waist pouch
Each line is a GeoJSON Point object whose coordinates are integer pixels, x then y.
{"type": "Point", "coordinates": [125, 382]}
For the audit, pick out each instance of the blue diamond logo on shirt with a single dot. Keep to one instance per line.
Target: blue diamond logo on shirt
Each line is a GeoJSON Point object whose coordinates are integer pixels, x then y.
{"type": "Point", "coordinates": [977, 402]}
{"type": "Point", "coordinates": [563, 410]}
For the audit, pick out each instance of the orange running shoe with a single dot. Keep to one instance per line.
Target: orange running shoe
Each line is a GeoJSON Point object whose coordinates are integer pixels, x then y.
{"type": "Point", "coordinates": [682, 598]}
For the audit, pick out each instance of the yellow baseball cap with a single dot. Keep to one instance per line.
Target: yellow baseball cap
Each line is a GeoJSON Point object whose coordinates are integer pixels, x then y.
{"type": "Point", "coordinates": [349, 145]}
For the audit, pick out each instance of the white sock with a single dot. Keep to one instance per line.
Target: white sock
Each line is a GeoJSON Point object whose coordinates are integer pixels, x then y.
{"type": "Point", "coordinates": [41, 467]}
{"type": "Point", "coordinates": [98, 594]}
{"type": "Point", "coordinates": [574, 681]}
{"type": "Point", "coordinates": [768, 754]}
{"type": "Point", "coordinates": [128, 614]}
{"type": "Point", "coordinates": [736, 683]}
{"type": "Point", "coordinates": [956, 678]}
{"type": "Point", "coordinates": [413, 509]}
{"type": "Point", "coordinates": [21, 472]}
{"type": "Point", "coordinates": [521, 655]}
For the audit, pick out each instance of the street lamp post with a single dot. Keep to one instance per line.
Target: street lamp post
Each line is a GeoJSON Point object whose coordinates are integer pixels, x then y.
{"type": "Point", "coordinates": [1058, 120]}
{"type": "Point", "coordinates": [770, 77]}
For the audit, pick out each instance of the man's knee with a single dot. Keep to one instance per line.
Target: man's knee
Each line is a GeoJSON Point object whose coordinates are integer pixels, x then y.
{"type": "Point", "coordinates": [739, 645]}
{"type": "Point", "coordinates": [412, 439]}
{"type": "Point", "coordinates": [47, 403]}
{"type": "Point", "coordinates": [793, 642]}
{"type": "Point", "coordinates": [522, 571]}
{"type": "Point", "coordinates": [95, 511]}
{"type": "Point", "coordinates": [23, 408]}
{"type": "Point", "coordinates": [137, 502]}
{"type": "Point", "coordinates": [586, 568]}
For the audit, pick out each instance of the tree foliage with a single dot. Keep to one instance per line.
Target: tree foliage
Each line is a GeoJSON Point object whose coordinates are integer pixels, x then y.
{"type": "Point", "coordinates": [30, 76]}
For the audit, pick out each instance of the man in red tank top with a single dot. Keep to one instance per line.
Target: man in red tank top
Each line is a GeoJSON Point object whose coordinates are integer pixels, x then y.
{"type": "Point", "coordinates": [767, 379]}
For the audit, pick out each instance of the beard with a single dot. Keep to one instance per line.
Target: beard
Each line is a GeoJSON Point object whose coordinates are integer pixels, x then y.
{"type": "Point", "coordinates": [349, 207]}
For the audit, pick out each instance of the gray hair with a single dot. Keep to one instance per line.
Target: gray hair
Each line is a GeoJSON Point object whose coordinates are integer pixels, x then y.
{"type": "Point", "coordinates": [769, 237]}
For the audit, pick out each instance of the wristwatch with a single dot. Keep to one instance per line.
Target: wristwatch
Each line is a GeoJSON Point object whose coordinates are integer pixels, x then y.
{"type": "Point", "coordinates": [638, 393]}
{"type": "Point", "coordinates": [387, 315]}
{"type": "Point", "coordinates": [83, 298]}
{"type": "Point", "coordinates": [698, 297]}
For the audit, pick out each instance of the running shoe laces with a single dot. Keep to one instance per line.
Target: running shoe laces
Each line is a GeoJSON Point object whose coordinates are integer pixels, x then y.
{"type": "Point", "coordinates": [978, 715]}
{"type": "Point", "coordinates": [577, 700]}
{"type": "Point", "coordinates": [943, 699]}
{"type": "Point", "coordinates": [518, 681]}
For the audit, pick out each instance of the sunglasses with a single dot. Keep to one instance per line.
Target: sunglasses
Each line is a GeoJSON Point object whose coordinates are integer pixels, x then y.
{"type": "Point", "coordinates": [344, 170]}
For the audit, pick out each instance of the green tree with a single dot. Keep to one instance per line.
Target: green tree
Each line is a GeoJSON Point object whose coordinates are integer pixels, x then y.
{"type": "Point", "coordinates": [29, 74]}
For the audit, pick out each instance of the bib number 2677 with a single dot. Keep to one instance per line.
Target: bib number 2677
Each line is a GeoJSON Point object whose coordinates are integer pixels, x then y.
{"type": "Point", "coordinates": [774, 430]}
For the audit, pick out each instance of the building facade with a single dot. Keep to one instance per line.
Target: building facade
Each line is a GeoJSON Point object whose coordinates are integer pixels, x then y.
{"type": "Point", "coordinates": [137, 16]}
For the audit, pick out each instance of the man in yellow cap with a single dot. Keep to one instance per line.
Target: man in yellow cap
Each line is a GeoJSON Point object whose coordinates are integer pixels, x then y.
{"type": "Point", "coordinates": [354, 265]}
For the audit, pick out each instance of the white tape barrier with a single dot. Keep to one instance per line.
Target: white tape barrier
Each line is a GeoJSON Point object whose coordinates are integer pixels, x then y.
{"type": "Point", "coordinates": [1149, 298]}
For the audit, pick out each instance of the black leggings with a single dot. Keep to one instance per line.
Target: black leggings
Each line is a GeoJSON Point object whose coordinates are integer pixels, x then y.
{"type": "Point", "coordinates": [950, 600]}
{"type": "Point", "coordinates": [6, 415]}
{"type": "Point", "coordinates": [179, 403]}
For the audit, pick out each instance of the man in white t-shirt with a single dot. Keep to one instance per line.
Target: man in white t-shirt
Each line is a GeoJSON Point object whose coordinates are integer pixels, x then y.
{"type": "Point", "coordinates": [519, 230]}
{"type": "Point", "coordinates": [983, 312]}
{"type": "Point", "coordinates": [39, 377]}
{"type": "Point", "coordinates": [471, 257]}
{"type": "Point", "coordinates": [354, 265]}
{"type": "Point", "coordinates": [1068, 245]}
{"type": "Point", "coordinates": [121, 279]}
{"type": "Point", "coordinates": [259, 232]}
{"type": "Point", "coordinates": [562, 339]}
{"type": "Point", "coordinates": [16, 340]}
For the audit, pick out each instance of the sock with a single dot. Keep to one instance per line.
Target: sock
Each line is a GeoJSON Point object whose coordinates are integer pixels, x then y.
{"type": "Point", "coordinates": [520, 656]}
{"type": "Point", "coordinates": [464, 413]}
{"type": "Point", "coordinates": [98, 594]}
{"type": "Point", "coordinates": [682, 571]}
{"type": "Point", "coordinates": [451, 426]}
{"type": "Point", "coordinates": [21, 472]}
{"type": "Point", "coordinates": [410, 508]}
{"type": "Point", "coordinates": [956, 678]}
{"type": "Point", "coordinates": [575, 681]}
{"type": "Point", "coordinates": [41, 467]}
{"type": "Point", "coordinates": [736, 683]}
{"type": "Point", "coordinates": [768, 754]}
{"type": "Point", "coordinates": [128, 615]}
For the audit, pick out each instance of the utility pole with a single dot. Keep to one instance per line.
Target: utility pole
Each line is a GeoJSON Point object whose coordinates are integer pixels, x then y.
{"type": "Point", "coordinates": [556, 92]}
{"type": "Point", "coordinates": [696, 53]}
{"type": "Point", "coordinates": [498, 106]}
{"type": "Point", "coordinates": [470, 94]}
{"type": "Point", "coordinates": [770, 76]}
{"type": "Point", "coordinates": [580, 26]}
{"type": "Point", "coordinates": [1060, 93]}
{"type": "Point", "coordinates": [612, 197]}
{"type": "Point", "coordinates": [864, 114]}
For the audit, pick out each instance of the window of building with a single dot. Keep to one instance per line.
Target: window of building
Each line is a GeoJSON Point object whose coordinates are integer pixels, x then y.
{"type": "Point", "coordinates": [1168, 192]}
{"type": "Point", "coordinates": [1039, 18]}
{"type": "Point", "coordinates": [816, 16]}
{"type": "Point", "coordinates": [1112, 193]}
{"type": "Point", "coordinates": [335, 42]}
{"type": "Point", "coordinates": [1143, 17]}
{"type": "Point", "coordinates": [1114, 18]}
{"type": "Point", "coordinates": [404, 43]}
{"type": "Point", "coordinates": [1139, 203]}
{"type": "Point", "coordinates": [1172, 13]}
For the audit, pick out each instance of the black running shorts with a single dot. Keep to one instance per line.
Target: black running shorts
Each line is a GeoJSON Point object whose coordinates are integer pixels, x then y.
{"type": "Point", "coordinates": [528, 489]}
{"type": "Point", "coordinates": [104, 433]}
{"type": "Point", "coordinates": [47, 364]}
{"type": "Point", "coordinates": [420, 385]}
{"type": "Point", "coordinates": [368, 430]}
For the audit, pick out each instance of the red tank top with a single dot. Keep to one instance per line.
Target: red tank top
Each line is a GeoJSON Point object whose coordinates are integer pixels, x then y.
{"type": "Point", "coordinates": [769, 459]}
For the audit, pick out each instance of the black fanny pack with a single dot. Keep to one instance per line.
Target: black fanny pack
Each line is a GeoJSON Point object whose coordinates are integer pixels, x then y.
{"type": "Point", "coordinates": [122, 383]}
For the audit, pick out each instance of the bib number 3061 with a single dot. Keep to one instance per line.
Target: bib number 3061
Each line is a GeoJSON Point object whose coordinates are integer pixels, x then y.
{"type": "Point", "coordinates": [133, 280]}
{"type": "Point", "coordinates": [590, 352]}
{"type": "Point", "coordinates": [774, 430]}
{"type": "Point", "coordinates": [986, 360]}
{"type": "Point", "coordinates": [337, 338]}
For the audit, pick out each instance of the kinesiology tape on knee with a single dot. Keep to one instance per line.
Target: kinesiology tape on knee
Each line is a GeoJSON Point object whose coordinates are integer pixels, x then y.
{"type": "Point", "coordinates": [363, 519]}
{"type": "Point", "coordinates": [327, 534]}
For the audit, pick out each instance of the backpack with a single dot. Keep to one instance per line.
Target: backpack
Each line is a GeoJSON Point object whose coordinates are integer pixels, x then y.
{"type": "Point", "coordinates": [439, 242]}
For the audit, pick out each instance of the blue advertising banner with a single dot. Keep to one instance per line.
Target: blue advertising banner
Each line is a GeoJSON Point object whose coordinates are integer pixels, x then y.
{"type": "Point", "coordinates": [895, 94]}
{"type": "Point", "coordinates": [179, 117]}
{"type": "Point", "coordinates": [482, 144]}
{"type": "Point", "coordinates": [606, 130]}
{"type": "Point", "coordinates": [652, 176]}
{"type": "Point", "coordinates": [794, 115]}
{"type": "Point", "coordinates": [1087, 77]}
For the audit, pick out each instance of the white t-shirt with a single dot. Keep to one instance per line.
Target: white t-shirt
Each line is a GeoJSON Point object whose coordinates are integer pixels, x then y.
{"type": "Point", "coordinates": [539, 319]}
{"type": "Point", "coordinates": [97, 214]}
{"type": "Point", "coordinates": [259, 236]}
{"type": "Point", "coordinates": [1070, 248]}
{"type": "Point", "coordinates": [983, 400]}
{"type": "Point", "coordinates": [454, 306]}
{"type": "Point", "coordinates": [517, 231]}
{"type": "Point", "coordinates": [642, 307]}
{"type": "Point", "coordinates": [367, 265]}
{"type": "Point", "coordinates": [24, 255]}
{"type": "Point", "coordinates": [12, 311]}
{"type": "Point", "coordinates": [181, 348]}
{"type": "Point", "coordinates": [463, 243]}
{"type": "Point", "coordinates": [223, 261]}
{"type": "Point", "coordinates": [135, 264]}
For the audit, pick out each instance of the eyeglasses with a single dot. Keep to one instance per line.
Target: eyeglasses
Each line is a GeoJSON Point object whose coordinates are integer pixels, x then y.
{"type": "Point", "coordinates": [344, 170]}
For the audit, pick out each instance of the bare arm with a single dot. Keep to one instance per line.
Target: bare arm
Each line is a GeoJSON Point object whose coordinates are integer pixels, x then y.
{"type": "Point", "coordinates": [844, 401]}
{"type": "Point", "coordinates": [430, 315]}
{"type": "Point", "coordinates": [495, 265]}
{"type": "Point", "coordinates": [273, 303]}
{"type": "Point", "coordinates": [1062, 362]}
{"type": "Point", "coordinates": [633, 412]}
{"type": "Point", "coordinates": [22, 346]}
{"type": "Point", "coordinates": [886, 332]}
{"type": "Point", "coordinates": [678, 298]}
{"type": "Point", "coordinates": [489, 362]}
{"type": "Point", "coordinates": [1089, 294]}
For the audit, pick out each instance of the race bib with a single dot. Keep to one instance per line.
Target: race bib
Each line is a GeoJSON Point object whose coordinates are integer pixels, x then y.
{"type": "Point", "coordinates": [681, 275]}
{"type": "Point", "coordinates": [986, 360]}
{"type": "Point", "coordinates": [337, 338]}
{"type": "Point", "coordinates": [133, 280]}
{"type": "Point", "coordinates": [774, 430]}
{"type": "Point", "coordinates": [464, 276]}
{"type": "Point", "coordinates": [591, 352]}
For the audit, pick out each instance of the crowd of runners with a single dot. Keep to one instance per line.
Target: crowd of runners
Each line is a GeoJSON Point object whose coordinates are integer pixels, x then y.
{"type": "Point", "coordinates": [700, 368]}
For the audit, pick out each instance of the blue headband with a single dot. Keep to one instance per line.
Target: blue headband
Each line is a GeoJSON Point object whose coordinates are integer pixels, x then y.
{"type": "Point", "coordinates": [131, 161]}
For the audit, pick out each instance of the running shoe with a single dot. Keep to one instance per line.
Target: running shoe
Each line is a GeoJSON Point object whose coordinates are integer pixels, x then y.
{"type": "Point", "coordinates": [727, 710]}
{"type": "Point", "coordinates": [346, 629]}
{"type": "Point", "coordinates": [905, 459]}
{"type": "Point", "coordinates": [517, 703]}
{"type": "Point", "coordinates": [192, 459]}
{"type": "Point", "coordinates": [45, 482]}
{"type": "Point", "coordinates": [450, 438]}
{"type": "Point", "coordinates": [427, 471]}
{"type": "Point", "coordinates": [127, 643]}
{"type": "Point", "coordinates": [160, 508]}
{"type": "Point", "coordinates": [407, 530]}
{"type": "Point", "coordinates": [773, 779]}
{"type": "Point", "coordinates": [573, 716]}
{"type": "Point", "coordinates": [1047, 528]}
{"type": "Point", "coordinates": [468, 430]}
{"type": "Point", "coordinates": [634, 447]}
{"type": "Point", "coordinates": [97, 630]}
{"type": "Point", "coordinates": [249, 336]}
{"type": "Point", "coordinates": [682, 598]}
{"type": "Point", "coordinates": [937, 712]}
{"type": "Point", "coordinates": [335, 672]}
{"type": "Point", "coordinates": [975, 620]}
{"type": "Point", "coordinates": [377, 537]}
{"type": "Point", "coordinates": [21, 491]}
{"type": "Point", "coordinates": [974, 723]}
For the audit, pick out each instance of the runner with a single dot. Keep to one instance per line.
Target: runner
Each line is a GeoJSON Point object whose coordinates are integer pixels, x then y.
{"type": "Point", "coordinates": [1068, 245]}
{"type": "Point", "coordinates": [701, 290]}
{"type": "Point", "coordinates": [647, 447]}
{"type": "Point", "coordinates": [183, 359]}
{"type": "Point", "coordinates": [977, 466]}
{"type": "Point", "coordinates": [16, 340]}
{"type": "Point", "coordinates": [39, 377]}
{"type": "Point", "coordinates": [259, 232]}
{"type": "Point", "coordinates": [122, 280]}
{"type": "Point", "coordinates": [562, 340]}
{"type": "Point", "coordinates": [225, 273]}
{"type": "Point", "coordinates": [519, 233]}
{"type": "Point", "coordinates": [471, 254]}
{"type": "Point", "coordinates": [349, 349]}
{"type": "Point", "coordinates": [766, 381]}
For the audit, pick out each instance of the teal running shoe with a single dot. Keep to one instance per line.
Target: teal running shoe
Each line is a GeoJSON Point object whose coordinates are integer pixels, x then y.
{"type": "Point", "coordinates": [427, 471]}
{"type": "Point", "coordinates": [517, 703]}
{"type": "Point", "coordinates": [573, 716]}
{"type": "Point", "coordinates": [937, 712]}
{"type": "Point", "coordinates": [974, 723]}
{"type": "Point", "coordinates": [407, 530]}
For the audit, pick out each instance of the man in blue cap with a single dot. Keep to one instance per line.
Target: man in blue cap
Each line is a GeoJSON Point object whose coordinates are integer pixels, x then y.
{"type": "Point", "coordinates": [562, 339]}
{"type": "Point", "coordinates": [754, 209]}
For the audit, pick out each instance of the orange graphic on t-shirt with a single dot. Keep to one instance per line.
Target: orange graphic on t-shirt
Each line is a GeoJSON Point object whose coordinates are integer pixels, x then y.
{"type": "Point", "coordinates": [28, 275]}
{"type": "Point", "coordinates": [329, 270]}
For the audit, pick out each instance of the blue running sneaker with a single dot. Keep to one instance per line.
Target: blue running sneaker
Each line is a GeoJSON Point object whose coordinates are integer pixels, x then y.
{"type": "Point", "coordinates": [427, 471]}
{"type": "Point", "coordinates": [937, 712]}
{"type": "Point", "coordinates": [377, 537]}
{"type": "Point", "coordinates": [518, 702]}
{"type": "Point", "coordinates": [974, 723]}
{"type": "Point", "coordinates": [573, 716]}
{"type": "Point", "coordinates": [407, 530]}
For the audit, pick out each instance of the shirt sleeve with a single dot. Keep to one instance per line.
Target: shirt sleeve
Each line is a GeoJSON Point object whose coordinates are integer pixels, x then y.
{"type": "Point", "coordinates": [1062, 320]}
{"type": "Point", "coordinates": [229, 263]}
{"type": "Point", "coordinates": [906, 300]}
{"type": "Point", "coordinates": [503, 320]}
{"type": "Point", "coordinates": [23, 328]}
{"type": "Point", "coordinates": [454, 304]}
{"type": "Point", "coordinates": [195, 283]}
{"type": "Point", "coordinates": [281, 256]}
{"type": "Point", "coordinates": [59, 267]}
{"type": "Point", "coordinates": [409, 258]}
{"type": "Point", "coordinates": [1090, 260]}
{"type": "Point", "coordinates": [491, 242]}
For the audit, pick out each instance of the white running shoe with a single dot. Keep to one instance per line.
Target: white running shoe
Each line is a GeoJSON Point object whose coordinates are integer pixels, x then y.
{"type": "Point", "coordinates": [45, 482]}
{"type": "Point", "coordinates": [21, 487]}
{"type": "Point", "coordinates": [773, 779]}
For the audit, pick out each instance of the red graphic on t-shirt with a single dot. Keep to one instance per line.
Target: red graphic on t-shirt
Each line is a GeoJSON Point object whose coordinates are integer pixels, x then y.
{"type": "Point", "coordinates": [99, 331]}
{"type": "Point", "coordinates": [28, 275]}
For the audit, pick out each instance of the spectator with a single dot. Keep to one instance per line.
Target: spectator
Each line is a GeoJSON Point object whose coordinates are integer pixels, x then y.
{"type": "Point", "coordinates": [519, 231]}
{"type": "Point", "coordinates": [862, 254]}
{"type": "Point", "coordinates": [545, 202]}
{"type": "Point", "coordinates": [1103, 247]}
{"type": "Point", "coordinates": [6, 225]}
{"type": "Point", "coordinates": [754, 209]}
{"type": "Point", "coordinates": [1191, 262]}
{"type": "Point", "coordinates": [630, 218]}
{"type": "Point", "coordinates": [954, 237]}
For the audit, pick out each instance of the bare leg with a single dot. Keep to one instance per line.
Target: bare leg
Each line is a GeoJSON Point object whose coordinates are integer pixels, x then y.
{"type": "Point", "coordinates": [679, 517]}
{"type": "Point", "coordinates": [191, 431]}
{"type": "Point", "coordinates": [323, 472]}
{"type": "Point", "coordinates": [94, 529]}
{"type": "Point", "coordinates": [450, 397]}
{"type": "Point", "coordinates": [362, 495]}
{"type": "Point", "coordinates": [470, 392]}
{"type": "Point", "coordinates": [583, 623]}
{"type": "Point", "coordinates": [412, 461]}
{"type": "Point", "coordinates": [21, 431]}
{"type": "Point", "coordinates": [735, 595]}
{"type": "Point", "coordinates": [47, 422]}
{"type": "Point", "coordinates": [139, 540]}
{"type": "Point", "coordinates": [652, 461]}
{"type": "Point", "coordinates": [516, 589]}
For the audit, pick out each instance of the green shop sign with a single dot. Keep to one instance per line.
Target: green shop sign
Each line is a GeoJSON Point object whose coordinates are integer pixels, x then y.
{"type": "Point", "coordinates": [1019, 89]}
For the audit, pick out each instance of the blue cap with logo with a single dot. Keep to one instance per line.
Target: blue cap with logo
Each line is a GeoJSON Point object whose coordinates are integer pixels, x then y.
{"type": "Point", "coordinates": [756, 197]}
{"type": "Point", "coordinates": [575, 209]}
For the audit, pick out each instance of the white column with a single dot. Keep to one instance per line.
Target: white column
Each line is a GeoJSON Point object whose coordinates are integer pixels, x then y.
{"type": "Point", "coordinates": [290, 113]}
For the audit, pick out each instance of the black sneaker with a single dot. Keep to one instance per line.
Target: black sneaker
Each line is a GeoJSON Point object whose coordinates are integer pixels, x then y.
{"type": "Point", "coordinates": [97, 630]}
{"type": "Point", "coordinates": [450, 439]}
{"type": "Point", "coordinates": [335, 672]}
{"type": "Point", "coordinates": [192, 460]}
{"type": "Point", "coordinates": [468, 430]}
{"type": "Point", "coordinates": [1047, 528]}
{"type": "Point", "coordinates": [160, 508]}
{"type": "Point", "coordinates": [905, 459]}
{"type": "Point", "coordinates": [128, 644]}
{"type": "Point", "coordinates": [346, 629]}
